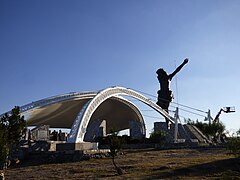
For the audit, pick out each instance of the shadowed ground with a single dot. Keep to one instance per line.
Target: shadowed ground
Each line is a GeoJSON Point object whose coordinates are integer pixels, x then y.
{"type": "Point", "coordinates": [140, 164]}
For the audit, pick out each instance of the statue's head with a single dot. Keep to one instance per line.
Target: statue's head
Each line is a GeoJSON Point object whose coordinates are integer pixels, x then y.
{"type": "Point", "coordinates": [161, 72]}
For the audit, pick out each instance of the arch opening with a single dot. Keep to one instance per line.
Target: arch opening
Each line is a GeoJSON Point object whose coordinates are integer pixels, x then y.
{"type": "Point", "coordinates": [80, 125]}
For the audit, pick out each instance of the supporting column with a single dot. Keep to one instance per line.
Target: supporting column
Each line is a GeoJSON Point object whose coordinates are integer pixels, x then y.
{"type": "Point", "coordinates": [136, 129]}
{"type": "Point", "coordinates": [96, 128]}
{"type": "Point", "coordinates": [209, 116]}
{"type": "Point", "coordinates": [102, 129]}
{"type": "Point", "coordinates": [176, 117]}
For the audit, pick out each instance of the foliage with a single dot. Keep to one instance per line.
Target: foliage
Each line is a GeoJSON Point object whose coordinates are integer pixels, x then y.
{"type": "Point", "coordinates": [238, 132]}
{"type": "Point", "coordinates": [157, 137]}
{"type": "Point", "coordinates": [115, 146]}
{"type": "Point", "coordinates": [214, 129]}
{"type": "Point", "coordinates": [234, 146]}
{"type": "Point", "coordinates": [201, 126]}
{"type": "Point", "coordinates": [11, 129]}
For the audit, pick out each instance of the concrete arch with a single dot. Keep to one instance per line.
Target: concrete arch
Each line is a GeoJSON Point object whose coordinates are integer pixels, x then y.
{"type": "Point", "coordinates": [78, 129]}
{"type": "Point", "coordinates": [116, 113]}
{"type": "Point", "coordinates": [83, 114]}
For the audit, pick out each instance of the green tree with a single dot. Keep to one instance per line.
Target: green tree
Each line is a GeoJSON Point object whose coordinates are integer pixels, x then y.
{"type": "Point", "coordinates": [215, 129]}
{"type": "Point", "coordinates": [115, 146]}
{"type": "Point", "coordinates": [234, 146]}
{"type": "Point", "coordinates": [157, 137]}
{"type": "Point", "coordinates": [11, 129]}
{"type": "Point", "coordinates": [238, 132]}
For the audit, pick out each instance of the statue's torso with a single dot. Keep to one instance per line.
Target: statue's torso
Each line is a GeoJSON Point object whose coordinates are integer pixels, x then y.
{"type": "Point", "coordinates": [164, 83]}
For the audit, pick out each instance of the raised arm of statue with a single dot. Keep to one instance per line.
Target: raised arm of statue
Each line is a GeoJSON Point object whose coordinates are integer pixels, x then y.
{"type": "Point", "coordinates": [178, 69]}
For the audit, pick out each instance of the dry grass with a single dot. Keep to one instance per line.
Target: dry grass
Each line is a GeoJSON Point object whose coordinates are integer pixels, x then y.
{"type": "Point", "coordinates": [141, 164]}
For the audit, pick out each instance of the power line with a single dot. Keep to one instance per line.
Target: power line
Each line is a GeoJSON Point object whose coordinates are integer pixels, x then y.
{"type": "Point", "coordinates": [199, 110]}
{"type": "Point", "coordinates": [190, 107]}
{"type": "Point", "coordinates": [176, 80]}
{"type": "Point", "coordinates": [191, 112]}
{"type": "Point", "coordinates": [147, 110]}
{"type": "Point", "coordinates": [154, 117]}
{"type": "Point", "coordinates": [145, 93]}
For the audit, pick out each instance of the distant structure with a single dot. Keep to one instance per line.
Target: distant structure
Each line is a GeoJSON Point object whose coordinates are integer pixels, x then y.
{"type": "Point", "coordinates": [186, 133]}
{"type": "Point", "coordinates": [90, 114]}
{"type": "Point", "coordinates": [165, 94]}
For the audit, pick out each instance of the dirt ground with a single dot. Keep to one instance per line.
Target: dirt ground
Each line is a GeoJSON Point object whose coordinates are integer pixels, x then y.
{"type": "Point", "coordinates": [140, 164]}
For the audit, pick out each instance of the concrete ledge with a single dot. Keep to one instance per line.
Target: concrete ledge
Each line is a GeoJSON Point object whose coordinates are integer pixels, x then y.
{"type": "Point", "coordinates": [76, 146]}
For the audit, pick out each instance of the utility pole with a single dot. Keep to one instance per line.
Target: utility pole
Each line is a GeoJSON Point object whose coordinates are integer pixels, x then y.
{"type": "Point", "coordinates": [209, 118]}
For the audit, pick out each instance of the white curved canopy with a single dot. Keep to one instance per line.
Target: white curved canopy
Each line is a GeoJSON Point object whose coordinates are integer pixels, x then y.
{"type": "Point", "coordinates": [76, 110]}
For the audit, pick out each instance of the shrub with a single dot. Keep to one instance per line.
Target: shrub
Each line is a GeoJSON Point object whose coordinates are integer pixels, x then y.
{"type": "Point", "coordinates": [234, 146]}
{"type": "Point", "coordinates": [215, 129]}
{"type": "Point", "coordinates": [238, 132]}
{"type": "Point", "coordinates": [115, 145]}
{"type": "Point", "coordinates": [157, 137]}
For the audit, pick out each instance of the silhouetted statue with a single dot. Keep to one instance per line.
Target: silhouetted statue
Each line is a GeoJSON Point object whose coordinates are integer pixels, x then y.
{"type": "Point", "coordinates": [165, 94]}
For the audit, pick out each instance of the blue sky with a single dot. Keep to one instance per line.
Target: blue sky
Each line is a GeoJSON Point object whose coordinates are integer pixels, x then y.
{"type": "Point", "coordinates": [54, 47]}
